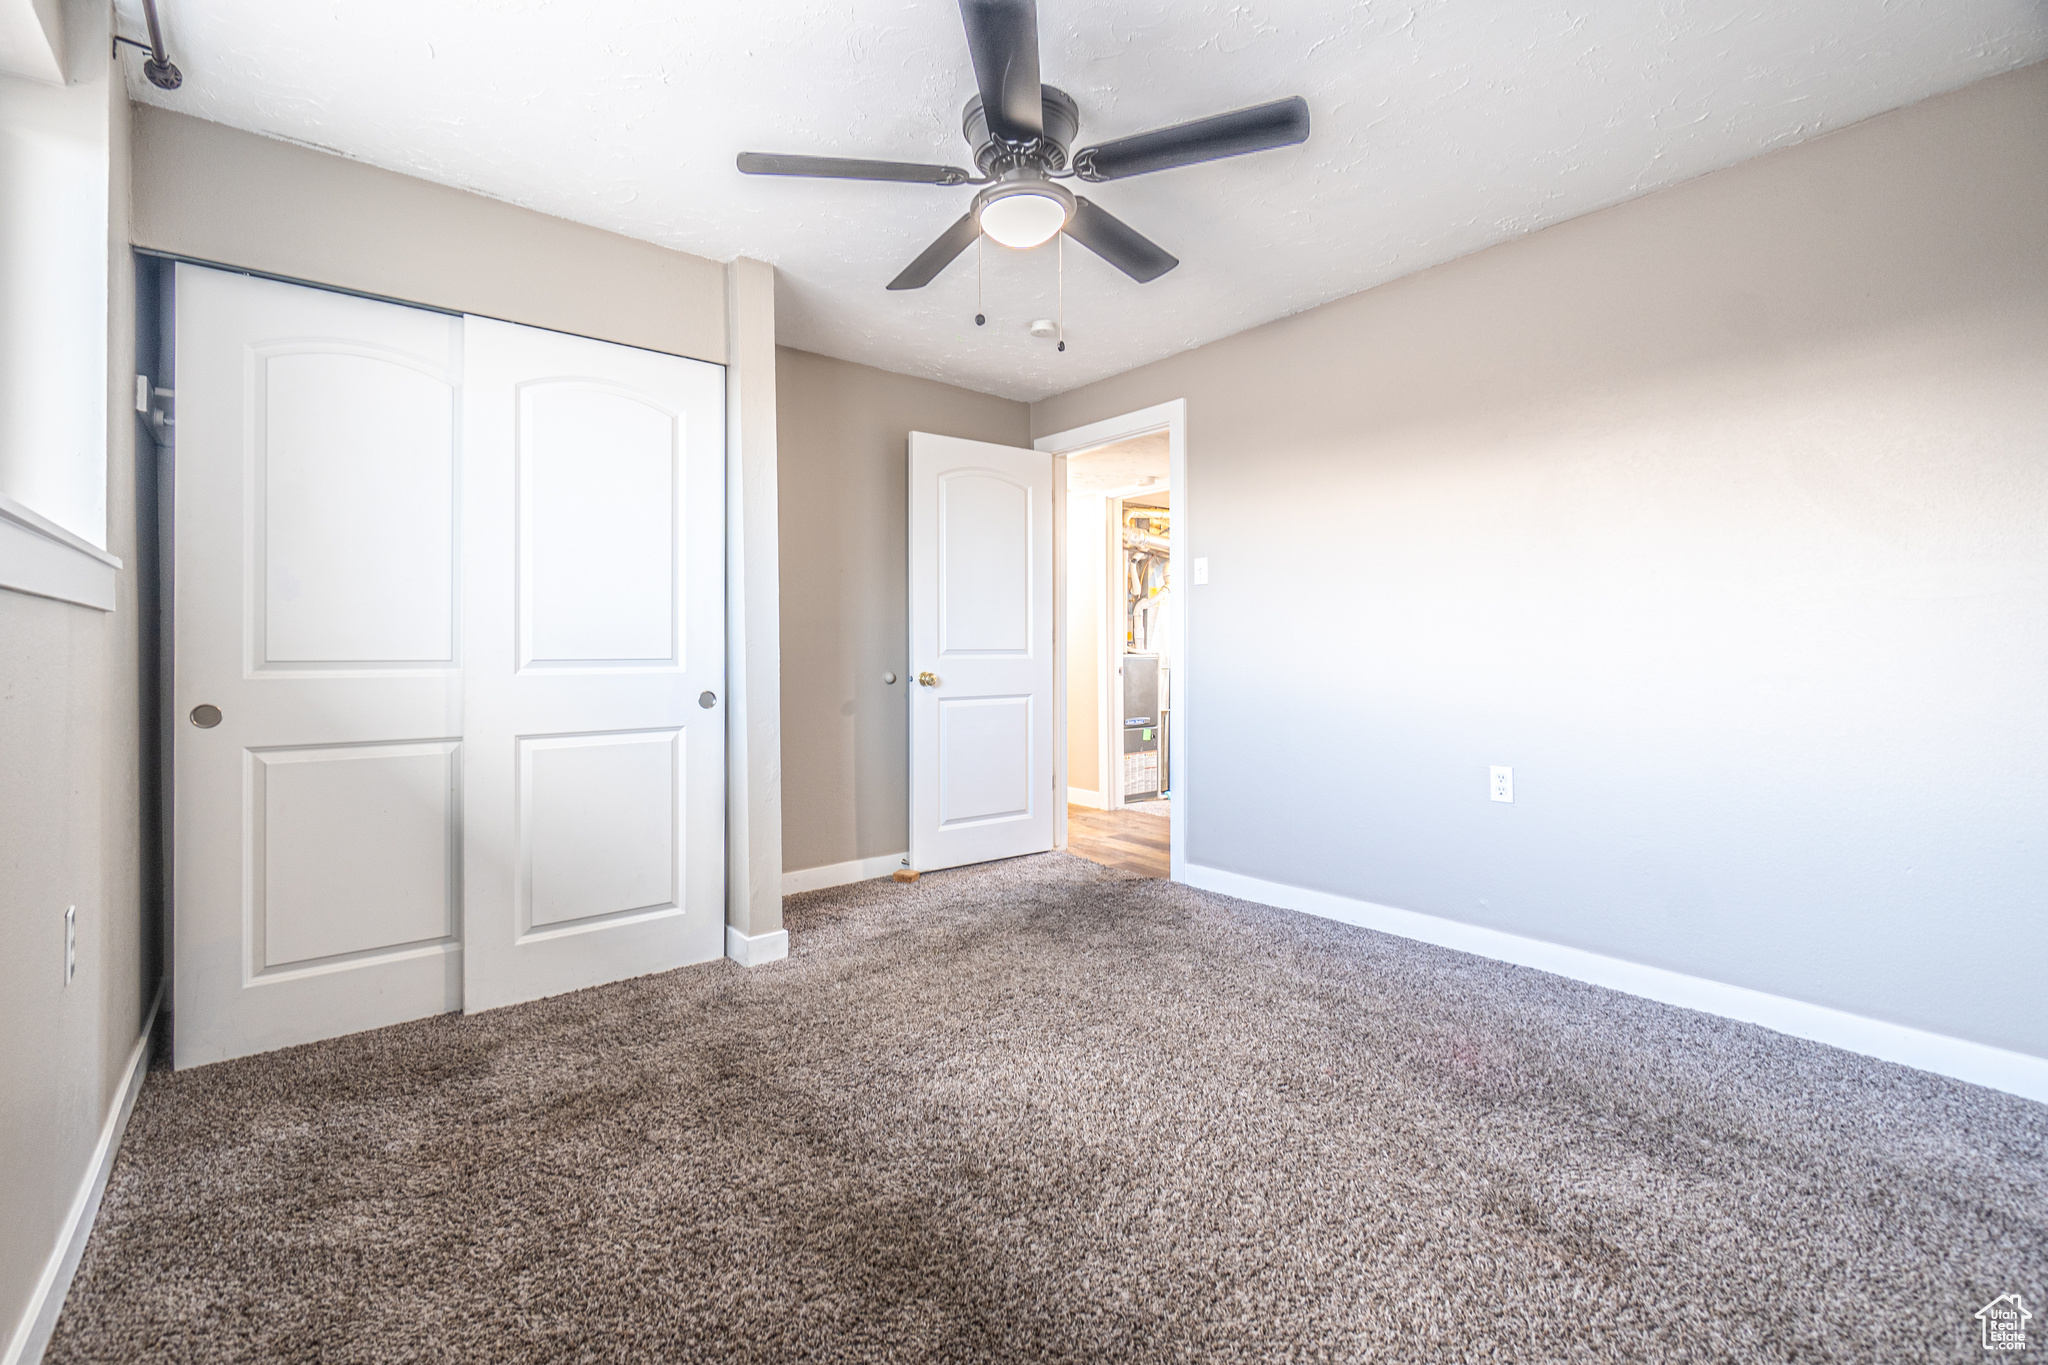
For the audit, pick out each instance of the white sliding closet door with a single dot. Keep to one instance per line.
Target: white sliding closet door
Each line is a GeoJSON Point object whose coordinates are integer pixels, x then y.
{"type": "Point", "coordinates": [317, 596]}
{"type": "Point", "coordinates": [449, 657]}
{"type": "Point", "coordinates": [595, 646]}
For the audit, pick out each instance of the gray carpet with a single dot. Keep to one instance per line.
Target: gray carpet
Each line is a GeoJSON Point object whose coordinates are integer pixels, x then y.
{"type": "Point", "coordinates": [1044, 1111]}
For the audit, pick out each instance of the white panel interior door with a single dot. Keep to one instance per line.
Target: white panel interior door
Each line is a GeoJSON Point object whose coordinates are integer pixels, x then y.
{"type": "Point", "coordinates": [317, 845]}
{"type": "Point", "coordinates": [594, 553]}
{"type": "Point", "coordinates": [983, 772]}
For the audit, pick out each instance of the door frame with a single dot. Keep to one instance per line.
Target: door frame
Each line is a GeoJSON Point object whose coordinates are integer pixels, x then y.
{"type": "Point", "coordinates": [1172, 418]}
{"type": "Point", "coordinates": [1109, 741]}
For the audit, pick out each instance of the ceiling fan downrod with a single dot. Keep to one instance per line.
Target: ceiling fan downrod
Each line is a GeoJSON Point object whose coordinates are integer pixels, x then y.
{"type": "Point", "coordinates": [163, 73]}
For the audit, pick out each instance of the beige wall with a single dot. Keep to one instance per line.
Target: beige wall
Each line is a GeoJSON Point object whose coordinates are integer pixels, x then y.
{"type": "Point", "coordinates": [1721, 516]}
{"type": "Point", "coordinates": [71, 823]}
{"type": "Point", "coordinates": [213, 193]}
{"type": "Point", "coordinates": [842, 437]}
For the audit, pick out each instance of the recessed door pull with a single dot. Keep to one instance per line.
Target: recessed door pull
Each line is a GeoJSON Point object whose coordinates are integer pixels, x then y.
{"type": "Point", "coordinates": [206, 715]}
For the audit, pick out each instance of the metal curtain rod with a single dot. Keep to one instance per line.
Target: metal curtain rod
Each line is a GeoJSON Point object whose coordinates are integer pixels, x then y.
{"type": "Point", "coordinates": [162, 73]}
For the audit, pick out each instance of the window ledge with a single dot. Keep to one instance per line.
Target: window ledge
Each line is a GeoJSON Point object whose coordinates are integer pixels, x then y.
{"type": "Point", "coordinates": [39, 557]}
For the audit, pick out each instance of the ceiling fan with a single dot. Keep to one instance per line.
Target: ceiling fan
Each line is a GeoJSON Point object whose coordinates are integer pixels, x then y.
{"type": "Point", "coordinates": [1020, 131]}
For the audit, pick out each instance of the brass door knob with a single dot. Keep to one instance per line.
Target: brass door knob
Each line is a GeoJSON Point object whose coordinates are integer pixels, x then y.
{"type": "Point", "coordinates": [927, 680]}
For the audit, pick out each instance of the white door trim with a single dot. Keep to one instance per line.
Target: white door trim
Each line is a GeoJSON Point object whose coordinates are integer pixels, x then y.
{"type": "Point", "coordinates": [1111, 616]}
{"type": "Point", "coordinates": [1171, 417]}
{"type": "Point", "coordinates": [753, 611]}
{"type": "Point", "coordinates": [1060, 775]}
{"type": "Point", "coordinates": [1112, 613]}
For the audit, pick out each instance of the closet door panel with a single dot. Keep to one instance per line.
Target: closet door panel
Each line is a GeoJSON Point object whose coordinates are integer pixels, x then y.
{"type": "Point", "coordinates": [317, 688]}
{"type": "Point", "coordinates": [594, 811]}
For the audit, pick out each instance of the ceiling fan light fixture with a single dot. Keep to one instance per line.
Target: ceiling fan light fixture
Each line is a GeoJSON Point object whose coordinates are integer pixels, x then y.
{"type": "Point", "coordinates": [1022, 214]}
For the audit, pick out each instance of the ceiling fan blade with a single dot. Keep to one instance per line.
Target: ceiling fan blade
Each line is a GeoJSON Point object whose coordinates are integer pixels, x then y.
{"type": "Point", "coordinates": [847, 168]}
{"type": "Point", "coordinates": [1259, 128]}
{"type": "Point", "coordinates": [1002, 37]}
{"type": "Point", "coordinates": [939, 254]}
{"type": "Point", "coordinates": [1117, 242]}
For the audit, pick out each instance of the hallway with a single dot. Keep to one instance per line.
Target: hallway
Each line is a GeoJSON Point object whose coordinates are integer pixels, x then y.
{"type": "Point", "coordinates": [1123, 839]}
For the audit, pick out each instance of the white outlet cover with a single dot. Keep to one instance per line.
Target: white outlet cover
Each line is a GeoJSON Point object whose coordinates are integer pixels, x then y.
{"type": "Point", "coordinates": [1501, 784]}
{"type": "Point", "coordinates": [1201, 570]}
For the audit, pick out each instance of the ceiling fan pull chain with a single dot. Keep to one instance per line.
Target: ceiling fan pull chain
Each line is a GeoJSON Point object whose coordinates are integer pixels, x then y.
{"type": "Point", "coordinates": [1062, 249]}
{"type": "Point", "coordinates": [980, 314]}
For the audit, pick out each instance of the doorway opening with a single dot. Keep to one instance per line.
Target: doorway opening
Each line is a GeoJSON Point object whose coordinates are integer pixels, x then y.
{"type": "Point", "coordinates": [1122, 652]}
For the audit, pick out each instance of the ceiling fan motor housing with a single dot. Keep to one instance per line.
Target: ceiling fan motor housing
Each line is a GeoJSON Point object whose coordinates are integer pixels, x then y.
{"type": "Point", "coordinates": [1048, 153]}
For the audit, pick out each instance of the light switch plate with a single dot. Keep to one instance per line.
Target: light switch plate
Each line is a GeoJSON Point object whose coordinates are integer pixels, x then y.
{"type": "Point", "coordinates": [1501, 784]}
{"type": "Point", "coordinates": [1201, 570]}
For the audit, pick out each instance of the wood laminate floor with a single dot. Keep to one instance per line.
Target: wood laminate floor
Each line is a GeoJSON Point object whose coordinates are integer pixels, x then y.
{"type": "Point", "coordinates": [1119, 838]}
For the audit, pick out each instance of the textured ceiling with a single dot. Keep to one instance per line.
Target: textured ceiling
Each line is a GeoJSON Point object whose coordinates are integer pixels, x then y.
{"type": "Point", "coordinates": [1441, 127]}
{"type": "Point", "coordinates": [1131, 463]}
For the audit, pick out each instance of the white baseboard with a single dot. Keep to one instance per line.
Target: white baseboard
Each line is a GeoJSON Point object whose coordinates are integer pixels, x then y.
{"type": "Point", "coordinates": [755, 951]}
{"type": "Point", "coordinates": [2016, 1073]}
{"type": "Point", "coordinates": [1079, 796]}
{"type": "Point", "coordinates": [840, 874]}
{"type": "Point", "coordinates": [39, 1319]}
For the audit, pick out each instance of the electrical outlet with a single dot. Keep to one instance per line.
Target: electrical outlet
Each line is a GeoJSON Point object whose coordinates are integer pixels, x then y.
{"type": "Point", "coordinates": [1501, 784]}
{"type": "Point", "coordinates": [1201, 570]}
{"type": "Point", "coordinates": [70, 943]}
